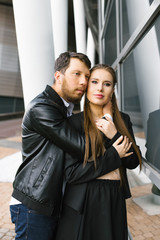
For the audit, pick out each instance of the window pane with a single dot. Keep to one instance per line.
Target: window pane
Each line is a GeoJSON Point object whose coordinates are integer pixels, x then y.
{"type": "Point", "coordinates": [110, 38]}
{"type": "Point", "coordinates": [132, 14]}
{"type": "Point", "coordinates": [131, 98]}
{"type": "Point", "coordinates": [91, 12]}
{"type": "Point", "coordinates": [142, 89]}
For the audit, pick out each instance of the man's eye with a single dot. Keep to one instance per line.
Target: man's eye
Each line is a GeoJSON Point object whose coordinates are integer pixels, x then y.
{"type": "Point", "coordinates": [76, 73]}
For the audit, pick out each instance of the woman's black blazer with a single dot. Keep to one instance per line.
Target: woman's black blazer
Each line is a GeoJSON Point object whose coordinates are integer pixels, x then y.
{"type": "Point", "coordinates": [77, 176]}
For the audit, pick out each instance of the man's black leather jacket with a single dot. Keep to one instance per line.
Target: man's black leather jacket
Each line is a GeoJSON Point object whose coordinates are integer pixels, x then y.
{"type": "Point", "coordinates": [38, 181]}
{"type": "Point", "coordinates": [46, 134]}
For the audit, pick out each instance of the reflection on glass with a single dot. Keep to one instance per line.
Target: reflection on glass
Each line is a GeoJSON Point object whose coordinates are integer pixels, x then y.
{"type": "Point", "coordinates": [142, 89]}
{"type": "Point", "coordinates": [153, 139]}
{"type": "Point", "coordinates": [131, 98]}
{"type": "Point", "coordinates": [91, 12]}
{"type": "Point", "coordinates": [132, 14]}
{"type": "Point", "coordinates": [110, 38]}
{"type": "Point", "coordinates": [105, 5]}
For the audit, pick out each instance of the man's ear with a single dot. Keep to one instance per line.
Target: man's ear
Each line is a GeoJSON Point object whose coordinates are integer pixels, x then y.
{"type": "Point", "coordinates": [58, 77]}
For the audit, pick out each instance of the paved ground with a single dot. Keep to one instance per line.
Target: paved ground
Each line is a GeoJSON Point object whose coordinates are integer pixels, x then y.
{"type": "Point", "coordinates": [142, 225]}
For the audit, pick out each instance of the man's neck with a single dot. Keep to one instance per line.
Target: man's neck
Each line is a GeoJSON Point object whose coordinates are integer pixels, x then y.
{"type": "Point", "coordinates": [56, 89]}
{"type": "Point", "coordinates": [69, 105]}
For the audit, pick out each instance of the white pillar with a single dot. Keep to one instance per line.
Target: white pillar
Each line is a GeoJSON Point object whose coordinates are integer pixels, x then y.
{"type": "Point", "coordinates": [90, 47]}
{"type": "Point", "coordinates": [35, 45]}
{"type": "Point", "coordinates": [59, 10]}
{"type": "Point", "coordinates": [80, 25]}
{"type": "Point", "coordinates": [80, 31]}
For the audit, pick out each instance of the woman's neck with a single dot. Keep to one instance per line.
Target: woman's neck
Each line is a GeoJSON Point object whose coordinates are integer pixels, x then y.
{"type": "Point", "coordinates": [97, 111]}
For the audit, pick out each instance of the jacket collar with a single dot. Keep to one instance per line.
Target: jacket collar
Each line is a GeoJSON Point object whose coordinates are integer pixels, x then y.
{"type": "Point", "coordinates": [54, 95]}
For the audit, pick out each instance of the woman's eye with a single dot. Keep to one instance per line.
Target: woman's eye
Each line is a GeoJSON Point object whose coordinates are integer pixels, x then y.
{"type": "Point", "coordinates": [94, 81]}
{"type": "Point", "coordinates": [107, 84]}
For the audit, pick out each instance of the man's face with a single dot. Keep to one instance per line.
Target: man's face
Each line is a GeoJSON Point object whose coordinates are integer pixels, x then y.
{"type": "Point", "coordinates": [74, 81]}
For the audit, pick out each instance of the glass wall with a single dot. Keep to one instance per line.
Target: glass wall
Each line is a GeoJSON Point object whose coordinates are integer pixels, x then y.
{"type": "Point", "coordinates": [111, 37]}
{"type": "Point", "coordinates": [130, 92]}
{"type": "Point", "coordinates": [91, 13]}
{"type": "Point", "coordinates": [133, 13]}
{"type": "Point", "coordinates": [134, 26]}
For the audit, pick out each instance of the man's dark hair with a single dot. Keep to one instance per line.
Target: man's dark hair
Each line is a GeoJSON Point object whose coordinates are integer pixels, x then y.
{"type": "Point", "coordinates": [63, 61]}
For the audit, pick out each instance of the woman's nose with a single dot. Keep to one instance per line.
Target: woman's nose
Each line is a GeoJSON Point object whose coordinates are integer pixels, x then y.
{"type": "Point", "coordinates": [100, 87]}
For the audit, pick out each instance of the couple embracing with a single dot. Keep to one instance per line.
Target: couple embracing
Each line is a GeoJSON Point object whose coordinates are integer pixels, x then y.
{"type": "Point", "coordinates": [72, 183]}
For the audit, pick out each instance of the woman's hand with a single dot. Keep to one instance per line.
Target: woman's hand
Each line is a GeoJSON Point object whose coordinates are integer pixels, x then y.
{"type": "Point", "coordinates": [107, 127]}
{"type": "Point", "coordinates": [122, 145]}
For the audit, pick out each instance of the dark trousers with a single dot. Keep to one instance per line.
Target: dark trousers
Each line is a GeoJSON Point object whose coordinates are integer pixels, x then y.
{"type": "Point", "coordinates": [30, 225]}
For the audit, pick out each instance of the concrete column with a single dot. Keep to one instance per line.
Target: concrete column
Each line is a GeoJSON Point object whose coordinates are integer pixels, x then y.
{"type": "Point", "coordinates": [80, 30]}
{"type": "Point", "coordinates": [80, 25]}
{"type": "Point", "coordinates": [35, 45]}
{"type": "Point", "coordinates": [90, 47]}
{"type": "Point", "coordinates": [59, 11]}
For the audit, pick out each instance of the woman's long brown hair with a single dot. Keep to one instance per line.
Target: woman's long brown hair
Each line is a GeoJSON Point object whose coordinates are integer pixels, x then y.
{"type": "Point", "coordinates": [94, 142]}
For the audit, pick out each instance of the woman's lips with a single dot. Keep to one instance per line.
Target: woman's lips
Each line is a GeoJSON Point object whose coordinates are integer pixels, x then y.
{"type": "Point", "coordinates": [98, 96]}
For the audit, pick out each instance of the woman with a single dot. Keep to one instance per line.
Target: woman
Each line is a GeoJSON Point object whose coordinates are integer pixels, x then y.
{"type": "Point", "coordinates": [94, 206]}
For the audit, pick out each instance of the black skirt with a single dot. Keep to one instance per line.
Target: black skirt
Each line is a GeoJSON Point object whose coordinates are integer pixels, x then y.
{"type": "Point", "coordinates": [103, 217]}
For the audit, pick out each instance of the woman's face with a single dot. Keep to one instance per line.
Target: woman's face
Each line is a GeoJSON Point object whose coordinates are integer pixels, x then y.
{"type": "Point", "coordinates": [100, 87]}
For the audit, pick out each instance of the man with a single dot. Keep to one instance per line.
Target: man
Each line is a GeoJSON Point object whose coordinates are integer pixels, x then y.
{"type": "Point", "coordinates": [46, 135]}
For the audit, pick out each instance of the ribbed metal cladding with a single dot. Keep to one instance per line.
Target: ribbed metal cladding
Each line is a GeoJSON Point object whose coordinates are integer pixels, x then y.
{"type": "Point", "coordinates": [10, 79]}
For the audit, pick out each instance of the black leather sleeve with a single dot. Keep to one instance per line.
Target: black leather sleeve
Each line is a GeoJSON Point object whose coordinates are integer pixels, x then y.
{"type": "Point", "coordinates": [49, 122]}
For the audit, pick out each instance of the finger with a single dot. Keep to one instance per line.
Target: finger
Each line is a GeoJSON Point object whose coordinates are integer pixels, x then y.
{"type": "Point", "coordinates": [128, 154]}
{"type": "Point", "coordinates": [129, 146]}
{"type": "Point", "coordinates": [118, 141]}
{"type": "Point", "coordinates": [100, 125]}
{"type": "Point", "coordinates": [124, 142]}
{"type": "Point", "coordinates": [100, 128]}
{"type": "Point", "coordinates": [108, 119]}
{"type": "Point", "coordinates": [101, 121]}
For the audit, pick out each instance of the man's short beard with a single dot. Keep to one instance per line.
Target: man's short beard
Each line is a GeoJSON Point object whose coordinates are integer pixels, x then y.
{"type": "Point", "coordinates": [67, 96]}
{"type": "Point", "coordinates": [74, 100]}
